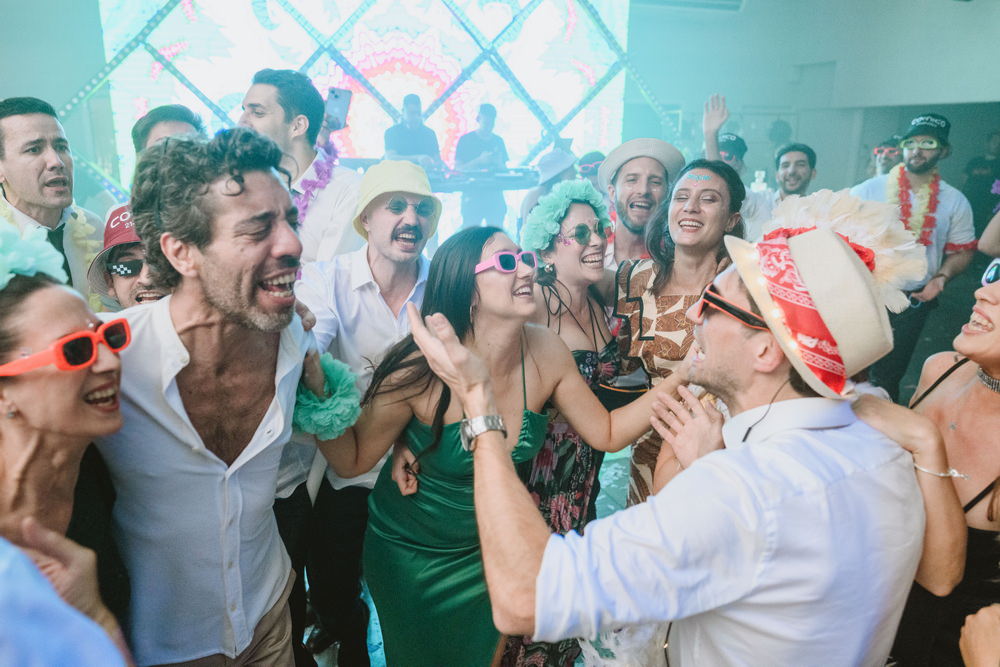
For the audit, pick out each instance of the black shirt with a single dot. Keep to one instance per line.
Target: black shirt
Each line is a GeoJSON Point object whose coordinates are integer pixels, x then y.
{"type": "Point", "coordinates": [419, 140]}
{"type": "Point", "coordinates": [472, 145]}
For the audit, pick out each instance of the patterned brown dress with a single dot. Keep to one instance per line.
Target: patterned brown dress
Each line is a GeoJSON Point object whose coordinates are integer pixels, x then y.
{"type": "Point", "coordinates": [656, 334]}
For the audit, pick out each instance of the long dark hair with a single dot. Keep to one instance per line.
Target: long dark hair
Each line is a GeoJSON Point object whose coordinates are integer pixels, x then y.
{"type": "Point", "coordinates": [658, 242]}
{"type": "Point", "coordinates": [451, 287]}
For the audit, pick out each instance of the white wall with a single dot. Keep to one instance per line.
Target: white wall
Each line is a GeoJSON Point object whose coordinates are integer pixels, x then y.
{"type": "Point", "coordinates": [844, 73]}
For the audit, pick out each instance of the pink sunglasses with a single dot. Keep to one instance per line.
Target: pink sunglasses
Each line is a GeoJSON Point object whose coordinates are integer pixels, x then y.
{"type": "Point", "coordinates": [506, 261]}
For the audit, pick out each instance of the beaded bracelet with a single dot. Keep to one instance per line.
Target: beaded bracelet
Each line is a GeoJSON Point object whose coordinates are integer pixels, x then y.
{"type": "Point", "coordinates": [951, 472]}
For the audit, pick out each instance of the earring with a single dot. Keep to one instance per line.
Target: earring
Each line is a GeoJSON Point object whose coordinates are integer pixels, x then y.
{"type": "Point", "coordinates": [11, 413]}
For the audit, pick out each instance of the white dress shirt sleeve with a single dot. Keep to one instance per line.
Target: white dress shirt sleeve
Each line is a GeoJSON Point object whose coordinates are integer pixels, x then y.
{"type": "Point", "coordinates": [961, 231]}
{"type": "Point", "coordinates": [315, 289]}
{"type": "Point", "coordinates": [682, 552]}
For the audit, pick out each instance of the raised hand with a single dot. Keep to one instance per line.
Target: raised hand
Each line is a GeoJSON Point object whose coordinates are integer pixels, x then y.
{"type": "Point", "coordinates": [688, 427]}
{"type": "Point", "coordinates": [716, 115]}
{"type": "Point", "coordinates": [456, 365]}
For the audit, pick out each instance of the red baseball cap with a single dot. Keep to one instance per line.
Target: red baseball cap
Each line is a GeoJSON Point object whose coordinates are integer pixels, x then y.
{"type": "Point", "coordinates": [118, 230]}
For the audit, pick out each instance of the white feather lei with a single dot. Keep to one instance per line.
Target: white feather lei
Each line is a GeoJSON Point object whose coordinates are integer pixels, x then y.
{"type": "Point", "coordinates": [899, 259]}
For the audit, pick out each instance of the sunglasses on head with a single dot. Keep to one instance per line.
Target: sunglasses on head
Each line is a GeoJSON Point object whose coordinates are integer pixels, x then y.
{"type": "Point", "coordinates": [992, 273]}
{"type": "Point", "coordinates": [505, 261]}
{"type": "Point", "coordinates": [75, 351]}
{"type": "Point", "coordinates": [581, 234]}
{"type": "Point", "coordinates": [712, 299]}
{"type": "Point", "coordinates": [398, 205]}
{"type": "Point", "coordinates": [590, 168]}
{"type": "Point", "coordinates": [127, 268]}
{"type": "Point", "coordinates": [926, 144]}
{"type": "Point", "coordinates": [887, 151]}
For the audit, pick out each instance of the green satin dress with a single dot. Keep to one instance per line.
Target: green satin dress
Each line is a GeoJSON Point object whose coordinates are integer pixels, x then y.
{"type": "Point", "coordinates": [422, 559]}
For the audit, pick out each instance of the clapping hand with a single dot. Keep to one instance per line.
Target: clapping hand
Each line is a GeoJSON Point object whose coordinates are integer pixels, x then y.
{"type": "Point", "coordinates": [688, 427]}
{"type": "Point", "coordinates": [456, 365]}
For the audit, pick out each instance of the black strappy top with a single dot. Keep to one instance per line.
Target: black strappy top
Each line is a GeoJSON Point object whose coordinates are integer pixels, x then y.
{"type": "Point", "coordinates": [929, 631]}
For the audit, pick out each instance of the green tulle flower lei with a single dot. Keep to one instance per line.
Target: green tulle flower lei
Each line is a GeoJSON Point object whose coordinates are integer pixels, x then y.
{"type": "Point", "coordinates": [28, 255]}
{"type": "Point", "coordinates": [329, 418]}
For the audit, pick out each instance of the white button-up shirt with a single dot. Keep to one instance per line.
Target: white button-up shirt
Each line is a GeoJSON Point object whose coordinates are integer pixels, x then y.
{"type": "Point", "coordinates": [327, 230]}
{"type": "Point", "coordinates": [198, 537]}
{"type": "Point", "coordinates": [354, 323]}
{"type": "Point", "coordinates": [795, 545]}
{"type": "Point", "coordinates": [953, 229]}
{"type": "Point", "coordinates": [757, 211]}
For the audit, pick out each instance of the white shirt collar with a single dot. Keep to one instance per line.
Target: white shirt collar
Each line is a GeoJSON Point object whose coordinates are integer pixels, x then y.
{"type": "Point", "coordinates": [22, 219]}
{"type": "Point", "coordinates": [361, 271]}
{"type": "Point", "coordinates": [762, 422]}
{"type": "Point", "coordinates": [309, 172]}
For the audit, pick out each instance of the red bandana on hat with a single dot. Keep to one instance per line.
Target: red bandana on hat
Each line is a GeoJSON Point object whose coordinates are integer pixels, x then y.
{"type": "Point", "coordinates": [813, 341]}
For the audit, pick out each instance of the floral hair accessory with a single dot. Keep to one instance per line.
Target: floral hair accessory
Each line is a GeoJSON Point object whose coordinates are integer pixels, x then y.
{"type": "Point", "coordinates": [545, 220]}
{"type": "Point", "coordinates": [28, 255]}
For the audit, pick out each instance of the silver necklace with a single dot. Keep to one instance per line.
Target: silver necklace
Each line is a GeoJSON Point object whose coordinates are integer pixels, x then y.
{"type": "Point", "coordinates": [991, 383]}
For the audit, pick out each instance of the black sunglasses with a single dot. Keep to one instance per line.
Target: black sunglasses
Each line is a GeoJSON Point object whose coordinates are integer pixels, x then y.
{"type": "Point", "coordinates": [130, 267]}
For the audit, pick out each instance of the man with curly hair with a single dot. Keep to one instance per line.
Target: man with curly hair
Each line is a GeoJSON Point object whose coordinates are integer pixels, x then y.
{"type": "Point", "coordinates": [208, 391]}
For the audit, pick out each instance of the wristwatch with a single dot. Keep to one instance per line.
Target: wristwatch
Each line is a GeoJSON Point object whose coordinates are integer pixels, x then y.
{"type": "Point", "coordinates": [470, 429]}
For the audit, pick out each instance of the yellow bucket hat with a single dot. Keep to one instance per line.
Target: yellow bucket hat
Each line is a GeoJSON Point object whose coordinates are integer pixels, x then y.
{"type": "Point", "coordinates": [394, 176]}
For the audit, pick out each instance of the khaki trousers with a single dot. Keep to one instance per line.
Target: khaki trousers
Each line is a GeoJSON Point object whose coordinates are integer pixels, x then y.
{"type": "Point", "coordinates": [271, 644]}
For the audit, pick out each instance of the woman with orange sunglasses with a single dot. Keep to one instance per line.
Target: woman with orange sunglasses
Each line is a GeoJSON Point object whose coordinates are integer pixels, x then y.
{"type": "Point", "coordinates": [59, 376]}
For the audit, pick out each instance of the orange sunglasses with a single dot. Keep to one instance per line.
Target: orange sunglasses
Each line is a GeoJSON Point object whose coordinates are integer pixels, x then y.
{"type": "Point", "coordinates": [712, 299]}
{"type": "Point", "coordinates": [74, 351]}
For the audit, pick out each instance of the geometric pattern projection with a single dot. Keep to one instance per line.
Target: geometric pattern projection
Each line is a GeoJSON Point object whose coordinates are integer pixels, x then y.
{"type": "Point", "coordinates": [553, 68]}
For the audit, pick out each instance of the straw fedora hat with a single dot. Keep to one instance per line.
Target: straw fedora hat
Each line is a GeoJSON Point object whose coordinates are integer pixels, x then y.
{"type": "Point", "coordinates": [661, 151]}
{"type": "Point", "coordinates": [842, 292]}
{"type": "Point", "coordinates": [394, 176]}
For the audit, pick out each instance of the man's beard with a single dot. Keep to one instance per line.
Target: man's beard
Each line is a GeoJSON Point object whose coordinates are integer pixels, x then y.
{"type": "Point", "coordinates": [237, 309]}
{"type": "Point", "coordinates": [799, 190]}
{"type": "Point", "coordinates": [924, 168]}
{"type": "Point", "coordinates": [622, 211]}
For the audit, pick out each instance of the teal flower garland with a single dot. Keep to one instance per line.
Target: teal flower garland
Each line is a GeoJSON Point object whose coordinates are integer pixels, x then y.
{"type": "Point", "coordinates": [28, 255]}
{"type": "Point", "coordinates": [329, 418]}
{"type": "Point", "coordinates": [545, 220]}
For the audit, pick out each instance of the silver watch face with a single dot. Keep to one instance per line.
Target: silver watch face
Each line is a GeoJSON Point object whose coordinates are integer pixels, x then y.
{"type": "Point", "coordinates": [470, 429]}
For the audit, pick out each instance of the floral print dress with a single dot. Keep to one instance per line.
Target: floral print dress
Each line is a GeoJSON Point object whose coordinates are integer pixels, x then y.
{"type": "Point", "coordinates": [562, 479]}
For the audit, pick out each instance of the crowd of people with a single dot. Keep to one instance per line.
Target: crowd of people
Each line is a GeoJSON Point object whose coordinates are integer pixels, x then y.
{"type": "Point", "coordinates": [247, 396]}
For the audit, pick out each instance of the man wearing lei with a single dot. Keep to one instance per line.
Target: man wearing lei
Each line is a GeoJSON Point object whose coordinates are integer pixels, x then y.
{"type": "Point", "coordinates": [285, 107]}
{"type": "Point", "coordinates": [36, 179]}
{"type": "Point", "coordinates": [939, 216]}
